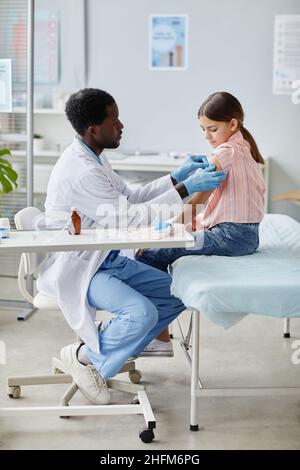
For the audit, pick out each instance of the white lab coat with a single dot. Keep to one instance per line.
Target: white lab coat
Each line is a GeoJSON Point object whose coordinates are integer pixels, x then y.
{"type": "Point", "coordinates": [79, 180]}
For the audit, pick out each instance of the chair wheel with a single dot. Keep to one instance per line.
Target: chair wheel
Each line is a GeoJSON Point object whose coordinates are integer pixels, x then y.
{"type": "Point", "coordinates": [135, 376]}
{"type": "Point", "coordinates": [146, 436]}
{"type": "Point", "coordinates": [135, 401]}
{"type": "Point", "coordinates": [16, 392]}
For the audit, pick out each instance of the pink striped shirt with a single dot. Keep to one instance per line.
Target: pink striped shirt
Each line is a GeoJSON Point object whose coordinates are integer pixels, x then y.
{"type": "Point", "coordinates": [240, 198]}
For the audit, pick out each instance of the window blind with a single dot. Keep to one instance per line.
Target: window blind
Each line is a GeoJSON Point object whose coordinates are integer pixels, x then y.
{"type": "Point", "coordinates": [13, 42]}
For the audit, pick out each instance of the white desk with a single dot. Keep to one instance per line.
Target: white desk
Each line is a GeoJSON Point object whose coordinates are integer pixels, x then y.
{"type": "Point", "coordinates": [91, 239]}
{"type": "Point", "coordinates": [31, 241]}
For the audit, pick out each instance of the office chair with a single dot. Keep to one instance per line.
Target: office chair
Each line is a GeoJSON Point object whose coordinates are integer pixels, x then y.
{"type": "Point", "coordinates": [29, 265]}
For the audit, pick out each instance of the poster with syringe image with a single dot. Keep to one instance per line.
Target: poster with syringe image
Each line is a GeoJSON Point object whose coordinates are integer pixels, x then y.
{"type": "Point", "coordinates": [168, 44]}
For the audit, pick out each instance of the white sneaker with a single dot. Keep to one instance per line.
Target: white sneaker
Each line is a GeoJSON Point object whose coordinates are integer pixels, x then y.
{"type": "Point", "coordinates": [89, 382]}
{"type": "Point", "coordinates": [158, 348]}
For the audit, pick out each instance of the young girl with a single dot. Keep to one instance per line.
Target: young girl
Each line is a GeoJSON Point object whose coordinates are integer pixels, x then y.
{"type": "Point", "coordinates": [229, 224]}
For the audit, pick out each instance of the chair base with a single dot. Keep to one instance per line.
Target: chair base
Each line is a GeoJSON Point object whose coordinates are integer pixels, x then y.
{"type": "Point", "coordinates": [26, 308]}
{"type": "Point", "coordinates": [139, 405]}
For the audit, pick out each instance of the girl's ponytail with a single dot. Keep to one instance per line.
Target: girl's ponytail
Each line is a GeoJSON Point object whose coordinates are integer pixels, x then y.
{"type": "Point", "coordinates": [253, 145]}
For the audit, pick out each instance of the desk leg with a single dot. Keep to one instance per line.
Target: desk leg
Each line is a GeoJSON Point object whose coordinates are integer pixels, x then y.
{"type": "Point", "coordinates": [286, 328]}
{"type": "Point", "coordinates": [195, 370]}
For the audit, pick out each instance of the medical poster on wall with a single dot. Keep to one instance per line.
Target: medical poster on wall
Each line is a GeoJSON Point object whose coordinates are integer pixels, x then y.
{"type": "Point", "coordinates": [168, 42]}
{"type": "Point", "coordinates": [286, 69]}
{"type": "Point", "coordinates": [5, 86]}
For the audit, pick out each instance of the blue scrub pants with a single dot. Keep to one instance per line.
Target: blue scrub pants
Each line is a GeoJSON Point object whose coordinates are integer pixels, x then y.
{"type": "Point", "coordinates": [139, 298]}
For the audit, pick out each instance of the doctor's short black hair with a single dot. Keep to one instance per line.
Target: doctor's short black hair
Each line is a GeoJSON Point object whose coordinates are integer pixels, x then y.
{"type": "Point", "coordinates": [87, 107]}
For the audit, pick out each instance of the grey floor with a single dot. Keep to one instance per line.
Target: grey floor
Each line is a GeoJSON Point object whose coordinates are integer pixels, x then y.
{"type": "Point", "coordinates": [251, 353]}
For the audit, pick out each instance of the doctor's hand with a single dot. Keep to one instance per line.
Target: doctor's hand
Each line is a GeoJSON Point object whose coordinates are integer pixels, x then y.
{"type": "Point", "coordinates": [193, 163]}
{"type": "Point", "coordinates": [204, 180]}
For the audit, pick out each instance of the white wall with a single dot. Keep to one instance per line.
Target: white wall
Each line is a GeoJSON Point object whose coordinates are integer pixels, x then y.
{"type": "Point", "coordinates": [231, 45]}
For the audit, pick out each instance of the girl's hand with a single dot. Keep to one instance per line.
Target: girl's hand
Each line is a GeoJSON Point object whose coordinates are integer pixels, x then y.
{"type": "Point", "coordinates": [139, 252]}
{"type": "Point", "coordinates": [193, 226]}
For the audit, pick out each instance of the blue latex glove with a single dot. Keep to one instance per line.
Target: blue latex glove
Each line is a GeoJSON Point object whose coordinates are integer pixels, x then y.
{"type": "Point", "coordinates": [204, 180]}
{"type": "Point", "coordinates": [193, 163]}
{"type": "Point", "coordinates": [162, 225]}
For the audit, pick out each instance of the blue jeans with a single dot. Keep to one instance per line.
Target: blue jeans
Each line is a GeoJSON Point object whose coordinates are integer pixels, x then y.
{"type": "Point", "coordinates": [139, 298]}
{"type": "Point", "coordinates": [226, 239]}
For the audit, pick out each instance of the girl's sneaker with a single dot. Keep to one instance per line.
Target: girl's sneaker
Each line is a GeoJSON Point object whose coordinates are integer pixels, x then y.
{"type": "Point", "coordinates": [158, 348]}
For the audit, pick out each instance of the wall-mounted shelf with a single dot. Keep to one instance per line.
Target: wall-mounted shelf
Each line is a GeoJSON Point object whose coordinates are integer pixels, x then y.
{"type": "Point", "coordinates": [152, 163]}
{"type": "Point", "coordinates": [22, 110]}
{"type": "Point", "coordinates": [147, 163]}
{"type": "Point", "coordinates": [42, 153]}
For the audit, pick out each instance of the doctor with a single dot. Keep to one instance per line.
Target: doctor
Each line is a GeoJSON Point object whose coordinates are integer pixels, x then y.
{"type": "Point", "coordinates": [136, 294]}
